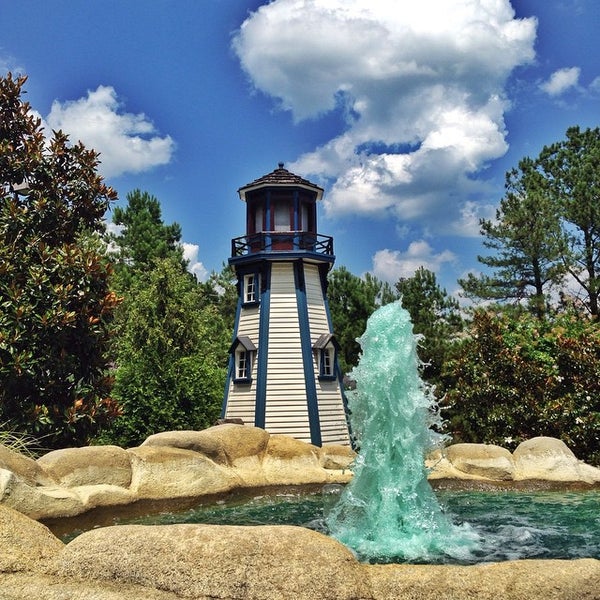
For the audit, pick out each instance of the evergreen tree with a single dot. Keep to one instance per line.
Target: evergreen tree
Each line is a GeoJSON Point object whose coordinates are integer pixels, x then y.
{"type": "Point", "coordinates": [572, 168]}
{"type": "Point", "coordinates": [435, 316]}
{"type": "Point", "coordinates": [352, 300]}
{"type": "Point", "coordinates": [528, 241]}
{"type": "Point", "coordinates": [143, 239]}
{"type": "Point", "coordinates": [56, 307]}
{"type": "Point", "coordinates": [171, 356]}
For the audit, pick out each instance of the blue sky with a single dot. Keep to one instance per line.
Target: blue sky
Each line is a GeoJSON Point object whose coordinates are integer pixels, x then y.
{"type": "Point", "coordinates": [408, 113]}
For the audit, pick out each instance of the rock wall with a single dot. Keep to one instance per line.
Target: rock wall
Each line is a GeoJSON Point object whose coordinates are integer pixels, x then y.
{"type": "Point", "coordinates": [209, 562]}
{"type": "Point", "coordinates": [189, 464]}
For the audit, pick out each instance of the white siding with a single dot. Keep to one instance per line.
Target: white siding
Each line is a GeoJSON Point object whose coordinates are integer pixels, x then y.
{"type": "Point", "coordinates": [242, 397]}
{"type": "Point", "coordinates": [286, 408]}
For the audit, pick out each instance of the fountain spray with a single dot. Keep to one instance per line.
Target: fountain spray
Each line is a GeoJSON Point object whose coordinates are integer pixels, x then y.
{"type": "Point", "coordinates": [388, 512]}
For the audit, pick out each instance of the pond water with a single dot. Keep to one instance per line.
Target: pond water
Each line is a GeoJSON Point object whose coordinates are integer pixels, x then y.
{"type": "Point", "coordinates": [509, 525]}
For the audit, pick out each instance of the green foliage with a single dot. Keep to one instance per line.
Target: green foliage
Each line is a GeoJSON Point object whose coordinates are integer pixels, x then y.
{"type": "Point", "coordinates": [352, 300]}
{"type": "Point", "coordinates": [529, 244]}
{"type": "Point", "coordinates": [220, 290]}
{"type": "Point", "coordinates": [572, 168]}
{"type": "Point", "coordinates": [434, 315]}
{"type": "Point", "coordinates": [143, 239]}
{"type": "Point", "coordinates": [171, 352]}
{"type": "Point", "coordinates": [515, 377]}
{"type": "Point", "coordinates": [56, 307]}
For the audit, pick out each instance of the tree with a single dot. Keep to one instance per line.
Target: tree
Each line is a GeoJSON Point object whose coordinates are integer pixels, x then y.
{"type": "Point", "coordinates": [514, 377]}
{"type": "Point", "coordinates": [56, 307]}
{"type": "Point", "coordinates": [435, 315]}
{"type": "Point", "coordinates": [352, 300]}
{"type": "Point", "coordinates": [171, 356]}
{"type": "Point", "coordinates": [143, 239]}
{"type": "Point", "coordinates": [572, 168]}
{"type": "Point", "coordinates": [528, 240]}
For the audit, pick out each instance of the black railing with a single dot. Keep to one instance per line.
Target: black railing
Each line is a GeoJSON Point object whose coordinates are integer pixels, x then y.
{"type": "Point", "coordinates": [282, 241]}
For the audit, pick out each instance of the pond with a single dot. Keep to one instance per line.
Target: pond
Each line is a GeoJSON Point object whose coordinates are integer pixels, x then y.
{"type": "Point", "coordinates": [510, 524]}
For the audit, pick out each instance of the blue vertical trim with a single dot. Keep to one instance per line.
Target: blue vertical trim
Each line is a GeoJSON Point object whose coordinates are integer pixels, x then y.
{"type": "Point", "coordinates": [263, 351]}
{"type": "Point", "coordinates": [231, 364]}
{"type": "Point", "coordinates": [307, 359]}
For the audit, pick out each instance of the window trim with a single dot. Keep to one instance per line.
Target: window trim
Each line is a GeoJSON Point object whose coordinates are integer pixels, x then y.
{"type": "Point", "coordinates": [242, 347]}
{"type": "Point", "coordinates": [326, 347]}
{"type": "Point", "coordinates": [251, 280]}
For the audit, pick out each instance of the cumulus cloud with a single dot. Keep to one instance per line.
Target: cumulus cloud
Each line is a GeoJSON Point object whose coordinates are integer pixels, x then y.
{"type": "Point", "coordinates": [560, 81]}
{"type": "Point", "coordinates": [421, 88]}
{"type": "Point", "coordinates": [390, 265]}
{"type": "Point", "coordinates": [127, 142]}
{"type": "Point", "coordinates": [190, 253]}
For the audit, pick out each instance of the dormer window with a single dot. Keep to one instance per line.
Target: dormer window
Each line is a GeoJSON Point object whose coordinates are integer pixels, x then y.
{"type": "Point", "coordinates": [251, 288]}
{"type": "Point", "coordinates": [326, 348]}
{"type": "Point", "coordinates": [244, 352]}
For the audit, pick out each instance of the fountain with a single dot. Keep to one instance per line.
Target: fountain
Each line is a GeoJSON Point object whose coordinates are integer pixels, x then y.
{"type": "Point", "coordinates": [388, 512]}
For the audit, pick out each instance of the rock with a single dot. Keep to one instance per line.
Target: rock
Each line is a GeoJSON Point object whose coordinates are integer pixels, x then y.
{"type": "Point", "coordinates": [291, 462]}
{"type": "Point", "coordinates": [549, 459]}
{"type": "Point", "coordinates": [483, 460]}
{"type": "Point", "coordinates": [512, 580]}
{"type": "Point", "coordinates": [25, 545]}
{"type": "Point", "coordinates": [336, 456]}
{"type": "Point", "coordinates": [38, 502]}
{"type": "Point", "coordinates": [24, 467]}
{"type": "Point", "coordinates": [164, 472]}
{"type": "Point", "coordinates": [91, 465]}
{"type": "Point", "coordinates": [224, 444]}
{"type": "Point", "coordinates": [217, 562]}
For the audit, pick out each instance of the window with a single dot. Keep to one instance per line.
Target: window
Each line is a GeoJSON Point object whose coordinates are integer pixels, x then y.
{"type": "Point", "coordinates": [250, 288]}
{"type": "Point", "coordinates": [325, 349]}
{"type": "Point", "coordinates": [281, 219]}
{"type": "Point", "coordinates": [244, 351]}
{"type": "Point", "coordinates": [243, 364]}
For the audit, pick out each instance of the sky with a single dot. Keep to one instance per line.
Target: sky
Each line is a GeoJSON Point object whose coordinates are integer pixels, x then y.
{"type": "Point", "coordinates": [407, 113]}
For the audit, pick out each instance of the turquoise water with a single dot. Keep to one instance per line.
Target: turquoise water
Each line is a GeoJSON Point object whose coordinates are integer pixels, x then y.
{"type": "Point", "coordinates": [388, 511]}
{"type": "Point", "coordinates": [508, 525]}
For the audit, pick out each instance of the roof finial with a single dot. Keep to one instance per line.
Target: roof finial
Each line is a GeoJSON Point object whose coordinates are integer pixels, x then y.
{"type": "Point", "coordinates": [281, 165]}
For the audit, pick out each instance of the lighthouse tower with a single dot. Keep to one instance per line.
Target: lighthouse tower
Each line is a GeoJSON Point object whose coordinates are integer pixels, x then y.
{"type": "Point", "coordinates": [283, 372]}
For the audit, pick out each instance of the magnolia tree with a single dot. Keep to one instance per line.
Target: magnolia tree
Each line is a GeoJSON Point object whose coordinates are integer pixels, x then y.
{"type": "Point", "coordinates": [56, 307]}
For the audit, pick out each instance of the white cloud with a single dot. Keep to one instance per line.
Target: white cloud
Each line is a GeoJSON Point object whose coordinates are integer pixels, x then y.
{"type": "Point", "coordinates": [127, 142]}
{"type": "Point", "coordinates": [190, 253]}
{"type": "Point", "coordinates": [562, 80]}
{"type": "Point", "coordinates": [390, 265]}
{"type": "Point", "coordinates": [422, 89]}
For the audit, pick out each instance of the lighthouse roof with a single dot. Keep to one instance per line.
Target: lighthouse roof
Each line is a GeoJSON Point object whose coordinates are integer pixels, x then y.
{"type": "Point", "coordinates": [280, 177]}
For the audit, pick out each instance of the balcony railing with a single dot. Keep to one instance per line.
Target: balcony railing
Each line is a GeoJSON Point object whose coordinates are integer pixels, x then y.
{"type": "Point", "coordinates": [282, 241]}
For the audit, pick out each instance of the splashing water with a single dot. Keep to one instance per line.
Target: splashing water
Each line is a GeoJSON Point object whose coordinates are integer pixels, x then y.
{"type": "Point", "coordinates": [388, 512]}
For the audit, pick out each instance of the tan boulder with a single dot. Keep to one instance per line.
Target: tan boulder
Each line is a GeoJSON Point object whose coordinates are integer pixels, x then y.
{"type": "Point", "coordinates": [336, 456]}
{"type": "Point", "coordinates": [25, 544]}
{"type": "Point", "coordinates": [550, 459]}
{"type": "Point", "coordinates": [38, 502]}
{"type": "Point", "coordinates": [482, 460]}
{"type": "Point", "coordinates": [164, 472]}
{"type": "Point", "coordinates": [217, 562]}
{"type": "Point", "coordinates": [511, 580]}
{"type": "Point", "coordinates": [292, 462]}
{"type": "Point", "coordinates": [24, 467]}
{"type": "Point", "coordinates": [91, 465]}
{"type": "Point", "coordinates": [224, 444]}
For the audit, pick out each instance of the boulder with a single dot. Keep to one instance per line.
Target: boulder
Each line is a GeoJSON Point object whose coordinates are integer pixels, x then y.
{"type": "Point", "coordinates": [550, 459]}
{"type": "Point", "coordinates": [91, 465]}
{"type": "Point", "coordinates": [482, 460]}
{"type": "Point", "coordinates": [165, 472]}
{"type": "Point", "coordinates": [292, 462]}
{"type": "Point", "coordinates": [511, 580]}
{"type": "Point", "coordinates": [336, 456]}
{"type": "Point", "coordinates": [25, 544]}
{"type": "Point", "coordinates": [224, 444]}
{"type": "Point", "coordinates": [217, 562]}
{"type": "Point", "coordinates": [38, 502]}
{"type": "Point", "coordinates": [24, 467]}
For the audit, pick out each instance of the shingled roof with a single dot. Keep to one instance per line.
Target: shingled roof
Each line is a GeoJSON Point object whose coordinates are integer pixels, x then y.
{"type": "Point", "coordinates": [280, 177]}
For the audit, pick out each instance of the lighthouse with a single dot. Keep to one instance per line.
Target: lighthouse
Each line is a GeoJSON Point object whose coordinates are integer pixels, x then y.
{"type": "Point", "coordinates": [283, 371]}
